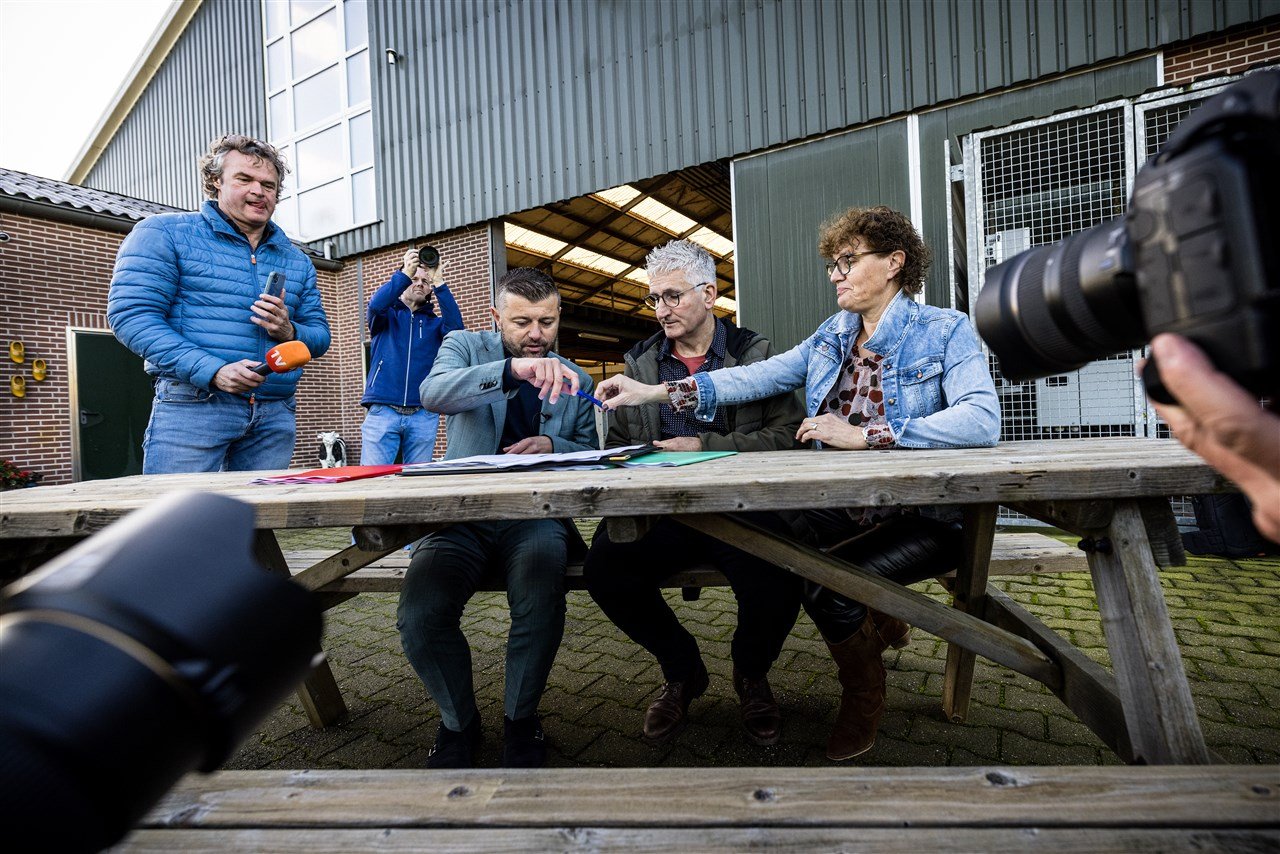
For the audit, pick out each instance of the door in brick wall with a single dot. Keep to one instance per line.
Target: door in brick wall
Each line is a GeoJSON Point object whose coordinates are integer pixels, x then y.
{"type": "Point", "coordinates": [111, 403]}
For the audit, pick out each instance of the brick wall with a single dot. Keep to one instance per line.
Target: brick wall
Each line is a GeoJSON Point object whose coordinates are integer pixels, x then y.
{"type": "Point", "coordinates": [52, 276]}
{"type": "Point", "coordinates": [467, 262]}
{"type": "Point", "coordinates": [55, 275]}
{"type": "Point", "coordinates": [1220, 55]}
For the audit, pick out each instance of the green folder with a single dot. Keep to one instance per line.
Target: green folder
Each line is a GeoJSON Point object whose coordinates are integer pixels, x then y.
{"type": "Point", "coordinates": [660, 459]}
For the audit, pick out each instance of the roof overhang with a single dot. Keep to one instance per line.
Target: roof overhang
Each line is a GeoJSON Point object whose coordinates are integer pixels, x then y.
{"type": "Point", "coordinates": [149, 62]}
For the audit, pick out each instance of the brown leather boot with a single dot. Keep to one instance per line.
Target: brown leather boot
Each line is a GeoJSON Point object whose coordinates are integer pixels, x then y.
{"type": "Point", "coordinates": [861, 674]}
{"type": "Point", "coordinates": [893, 632]}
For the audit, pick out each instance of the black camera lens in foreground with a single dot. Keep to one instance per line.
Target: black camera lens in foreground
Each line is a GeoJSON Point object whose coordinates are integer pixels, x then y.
{"type": "Point", "coordinates": [149, 650]}
{"type": "Point", "coordinates": [429, 256]}
{"type": "Point", "coordinates": [1056, 308]}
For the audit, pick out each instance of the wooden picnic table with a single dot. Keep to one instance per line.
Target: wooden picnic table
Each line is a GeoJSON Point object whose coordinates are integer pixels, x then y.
{"type": "Point", "coordinates": [1111, 492]}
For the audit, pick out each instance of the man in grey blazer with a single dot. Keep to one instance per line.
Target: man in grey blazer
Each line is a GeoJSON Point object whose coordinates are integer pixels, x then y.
{"type": "Point", "coordinates": [504, 392]}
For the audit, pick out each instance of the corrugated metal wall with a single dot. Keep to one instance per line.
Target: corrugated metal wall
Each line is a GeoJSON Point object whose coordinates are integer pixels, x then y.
{"type": "Point", "coordinates": [504, 105]}
{"type": "Point", "coordinates": [781, 197]}
{"type": "Point", "coordinates": [210, 84]}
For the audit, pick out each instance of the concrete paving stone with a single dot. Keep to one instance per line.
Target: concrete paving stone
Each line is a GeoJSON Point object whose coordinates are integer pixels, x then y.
{"type": "Point", "coordinates": [1267, 647]}
{"type": "Point", "coordinates": [962, 758]}
{"type": "Point", "coordinates": [1253, 715]}
{"type": "Point", "coordinates": [899, 753]}
{"type": "Point", "coordinates": [1219, 735]}
{"type": "Point", "coordinates": [614, 750]}
{"type": "Point", "coordinates": [1031, 695]}
{"type": "Point", "coordinates": [1201, 652]}
{"type": "Point", "coordinates": [628, 693]}
{"type": "Point", "coordinates": [1067, 729]}
{"type": "Point", "coordinates": [1254, 660]}
{"type": "Point", "coordinates": [981, 739]}
{"type": "Point", "coordinates": [1265, 757]}
{"type": "Point", "coordinates": [368, 748]}
{"type": "Point", "coordinates": [1227, 673]}
{"type": "Point", "coordinates": [1018, 750]}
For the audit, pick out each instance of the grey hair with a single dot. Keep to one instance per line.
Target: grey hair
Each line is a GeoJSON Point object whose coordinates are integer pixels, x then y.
{"type": "Point", "coordinates": [212, 160]}
{"type": "Point", "coordinates": [685, 256]}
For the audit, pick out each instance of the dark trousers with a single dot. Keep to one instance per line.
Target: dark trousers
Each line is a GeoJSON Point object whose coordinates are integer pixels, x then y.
{"type": "Point", "coordinates": [905, 549]}
{"type": "Point", "coordinates": [624, 579]}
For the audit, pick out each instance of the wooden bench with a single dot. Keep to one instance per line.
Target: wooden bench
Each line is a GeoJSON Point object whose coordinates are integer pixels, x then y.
{"type": "Point", "coordinates": [1139, 808]}
{"type": "Point", "coordinates": [1011, 554]}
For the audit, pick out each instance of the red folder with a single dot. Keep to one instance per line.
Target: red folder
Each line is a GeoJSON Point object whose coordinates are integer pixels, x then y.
{"type": "Point", "coordinates": [333, 475]}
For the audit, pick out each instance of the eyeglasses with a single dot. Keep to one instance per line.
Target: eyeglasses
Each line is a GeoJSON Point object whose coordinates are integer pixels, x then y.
{"type": "Point", "coordinates": [846, 261]}
{"type": "Point", "coordinates": [671, 298]}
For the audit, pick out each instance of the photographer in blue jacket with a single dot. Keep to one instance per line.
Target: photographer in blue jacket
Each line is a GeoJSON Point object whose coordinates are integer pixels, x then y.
{"type": "Point", "coordinates": [189, 296]}
{"type": "Point", "coordinates": [404, 338]}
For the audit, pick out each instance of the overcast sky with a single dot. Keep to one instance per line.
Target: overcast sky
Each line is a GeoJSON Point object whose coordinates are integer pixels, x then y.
{"type": "Point", "coordinates": [61, 64]}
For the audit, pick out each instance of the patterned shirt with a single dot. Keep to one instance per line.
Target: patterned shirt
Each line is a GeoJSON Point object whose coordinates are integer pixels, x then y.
{"type": "Point", "coordinates": [858, 397]}
{"type": "Point", "coordinates": [679, 421]}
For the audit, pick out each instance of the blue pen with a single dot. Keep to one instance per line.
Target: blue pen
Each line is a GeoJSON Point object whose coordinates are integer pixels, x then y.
{"type": "Point", "coordinates": [582, 394]}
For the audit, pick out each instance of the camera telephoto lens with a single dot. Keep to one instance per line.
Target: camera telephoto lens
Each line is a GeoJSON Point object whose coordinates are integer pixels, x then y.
{"type": "Point", "coordinates": [1056, 308]}
{"type": "Point", "coordinates": [148, 651]}
{"type": "Point", "coordinates": [429, 256]}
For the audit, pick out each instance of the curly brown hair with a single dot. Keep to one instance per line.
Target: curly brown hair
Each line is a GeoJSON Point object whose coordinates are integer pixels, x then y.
{"type": "Point", "coordinates": [882, 229]}
{"type": "Point", "coordinates": [211, 160]}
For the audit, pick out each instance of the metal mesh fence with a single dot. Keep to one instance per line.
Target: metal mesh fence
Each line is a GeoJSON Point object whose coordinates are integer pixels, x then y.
{"type": "Point", "coordinates": [1041, 183]}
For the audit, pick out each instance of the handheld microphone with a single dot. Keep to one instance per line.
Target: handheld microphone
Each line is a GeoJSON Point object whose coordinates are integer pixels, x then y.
{"type": "Point", "coordinates": [284, 357]}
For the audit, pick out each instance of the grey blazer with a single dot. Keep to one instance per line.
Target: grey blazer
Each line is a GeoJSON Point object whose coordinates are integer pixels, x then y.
{"type": "Point", "coordinates": [465, 383]}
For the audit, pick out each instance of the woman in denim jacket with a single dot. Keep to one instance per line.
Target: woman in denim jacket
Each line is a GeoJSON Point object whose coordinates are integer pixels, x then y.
{"type": "Point", "coordinates": [883, 372]}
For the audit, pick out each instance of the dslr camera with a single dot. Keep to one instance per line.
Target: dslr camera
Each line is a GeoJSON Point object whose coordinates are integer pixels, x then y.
{"type": "Point", "coordinates": [1196, 253]}
{"type": "Point", "coordinates": [429, 256]}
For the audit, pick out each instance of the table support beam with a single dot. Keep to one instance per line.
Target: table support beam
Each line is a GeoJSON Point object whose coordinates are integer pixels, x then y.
{"type": "Point", "coordinates": [915, 608]}
{"type": "Point", "coordinates": [319, 694]}
{"type": "Point", "coordinates": [968, 595]}
{"type": "Point", "coordinates": [1158, 709]}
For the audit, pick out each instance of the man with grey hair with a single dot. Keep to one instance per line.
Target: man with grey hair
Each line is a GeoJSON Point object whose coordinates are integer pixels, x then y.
{"type": "Point", "coordinates": [190, 296]}
{"type": "Point", "coordinates": [625, 579]}
{"type": "Point", "coordinates": [505, 392]}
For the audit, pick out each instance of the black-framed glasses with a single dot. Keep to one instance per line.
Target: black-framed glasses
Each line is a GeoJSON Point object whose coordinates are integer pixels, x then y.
{"type": "Point", "coordinates": [845, 262]}
{"type": "Point", "coordinates": [671, 298]}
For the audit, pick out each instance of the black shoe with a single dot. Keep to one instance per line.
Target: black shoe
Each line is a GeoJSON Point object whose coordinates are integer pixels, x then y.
{"type": "Point", "coordinates": [524, 744]}
{"type": "Point", "coordinates": [455, 749]}
{"type": "Point", "coordinates": [668, 715]}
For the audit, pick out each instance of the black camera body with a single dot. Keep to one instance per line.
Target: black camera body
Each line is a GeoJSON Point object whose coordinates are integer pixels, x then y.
{"type": "Point", "coordinates": [1197, 253]}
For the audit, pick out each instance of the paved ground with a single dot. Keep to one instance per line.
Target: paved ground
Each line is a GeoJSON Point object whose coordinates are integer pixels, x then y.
{"type": "Point", "coordinates": [1226, 615]}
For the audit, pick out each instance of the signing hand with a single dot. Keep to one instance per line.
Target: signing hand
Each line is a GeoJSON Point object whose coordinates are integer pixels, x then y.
{"type": "Point", "coordinates": [680, 443]}
{"type": "Point", "coordinates": [273, 315]}
{"type": "Point", "coordinates": [237, 377]}
{"type": "Point", "coordinates": [530, 445]}
{"type": "Point", "coordinates": [832, 431]}
{"type": "Point", "coordinates": [551, 376]}
{"type": "Point", "coordinates": [1224, 424]}
{"type": "Point", "coordinates": [621, 390]}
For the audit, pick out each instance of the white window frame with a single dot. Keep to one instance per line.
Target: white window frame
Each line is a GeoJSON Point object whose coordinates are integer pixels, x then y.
{"type": "Point", "coordinates": [289, 215]}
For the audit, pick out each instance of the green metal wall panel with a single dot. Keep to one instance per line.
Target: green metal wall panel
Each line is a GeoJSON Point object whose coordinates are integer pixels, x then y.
{"type": "Point", "coordinates": [781, 197]}
{"type": "Point", "coordinates": [504, 105]}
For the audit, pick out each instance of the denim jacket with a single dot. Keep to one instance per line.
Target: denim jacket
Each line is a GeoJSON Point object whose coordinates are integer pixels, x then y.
{"type": "Point", "coordinates": [938, 390]}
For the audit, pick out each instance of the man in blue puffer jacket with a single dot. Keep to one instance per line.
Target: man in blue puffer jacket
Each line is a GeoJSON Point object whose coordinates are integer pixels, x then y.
{"type": "Point", "coordinates": [188, 296]}
{"type": "Point", "coordinates": [404, 338]}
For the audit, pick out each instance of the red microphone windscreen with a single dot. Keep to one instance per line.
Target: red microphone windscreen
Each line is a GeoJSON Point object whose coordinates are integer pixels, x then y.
{"type": "Point", "coordinates": [287, 356]}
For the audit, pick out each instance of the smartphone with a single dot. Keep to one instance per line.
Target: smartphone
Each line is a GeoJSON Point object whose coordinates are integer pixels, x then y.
{"type": "Point", "coordinates": [275, 283]}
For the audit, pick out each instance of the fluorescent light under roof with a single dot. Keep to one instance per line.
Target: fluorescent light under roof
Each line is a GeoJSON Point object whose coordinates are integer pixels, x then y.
{"type": "Point", "coordinates": [712, 242]}
{"type": "Point", "coordinates": [619, 197]}
{"type": "Point", "coordinates": [532, 241]}
{"type": "Point", "coordinates": [727, 304]}
{"type": "Point", "coordinates": [656, 213]}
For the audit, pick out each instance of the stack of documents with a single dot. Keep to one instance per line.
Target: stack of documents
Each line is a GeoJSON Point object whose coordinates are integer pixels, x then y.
{"type": "Point", "coordinates": [629, 456]}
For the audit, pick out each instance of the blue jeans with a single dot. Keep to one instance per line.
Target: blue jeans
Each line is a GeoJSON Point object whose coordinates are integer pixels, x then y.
{"type": "Point", "coordinates": [446, 569]}
{"type": "Point", "coordinates": [193, 430]}
{"type": "Point", "coordinates": [386, 431]}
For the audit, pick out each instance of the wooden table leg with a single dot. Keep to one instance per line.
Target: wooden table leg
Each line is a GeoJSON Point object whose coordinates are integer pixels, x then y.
{"type": "Point", "coordinates": [319, 694]}
{"type": "Point", "coordinates": [968, 595]}
{"type": "Point", "coordinates": [1158, 709]}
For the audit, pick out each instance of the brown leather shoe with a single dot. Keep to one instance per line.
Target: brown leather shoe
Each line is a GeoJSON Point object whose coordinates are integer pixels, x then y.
{"type": "Point", "coordinates": [861, 674]}
{"type": "Point", "coordinates": [761, 717]}
{"type": "Point", "coordinates": [893, 632]}
{"type": "Point", "coordinates": [669, 714]}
